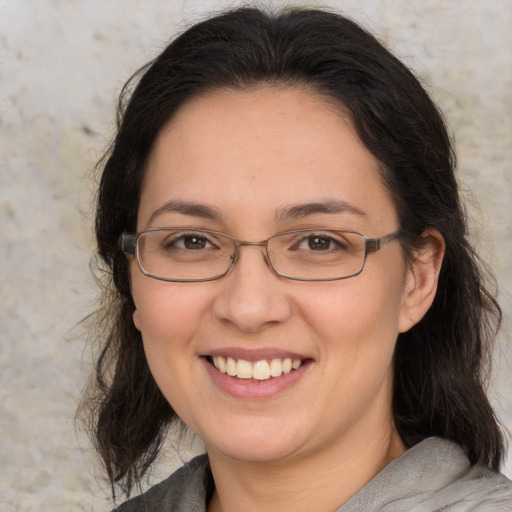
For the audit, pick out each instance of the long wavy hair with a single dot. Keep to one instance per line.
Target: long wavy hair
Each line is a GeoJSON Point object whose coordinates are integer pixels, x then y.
{"type": "Point", "coordinates": [440, 365]}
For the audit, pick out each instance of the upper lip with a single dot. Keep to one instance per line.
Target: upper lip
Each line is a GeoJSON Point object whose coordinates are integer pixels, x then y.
{"type": "Point", "coordinates": [256, 354]}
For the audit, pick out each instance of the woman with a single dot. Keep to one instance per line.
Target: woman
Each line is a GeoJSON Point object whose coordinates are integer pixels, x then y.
{"type": "Point", "coordinates": [280, 220]}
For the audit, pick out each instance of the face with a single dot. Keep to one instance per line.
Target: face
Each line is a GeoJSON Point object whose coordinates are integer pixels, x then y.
{"type": "Point", "coordinates": [247, 160]}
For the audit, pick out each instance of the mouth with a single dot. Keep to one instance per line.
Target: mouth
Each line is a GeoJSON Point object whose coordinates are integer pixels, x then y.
{"type": "Point", "coordinates": [261, 370]}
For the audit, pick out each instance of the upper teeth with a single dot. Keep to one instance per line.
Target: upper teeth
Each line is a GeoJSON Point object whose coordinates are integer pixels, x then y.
{"type": "Point", "coordinates": [259, 370]}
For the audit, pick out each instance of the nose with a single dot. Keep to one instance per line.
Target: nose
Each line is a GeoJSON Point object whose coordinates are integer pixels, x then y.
{"type": "Point", "coordinates": [253, 296]}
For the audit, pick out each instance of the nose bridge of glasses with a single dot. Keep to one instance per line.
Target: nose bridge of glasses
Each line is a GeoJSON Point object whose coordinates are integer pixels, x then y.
{"type": "Point", "coordinates": [262, 243]}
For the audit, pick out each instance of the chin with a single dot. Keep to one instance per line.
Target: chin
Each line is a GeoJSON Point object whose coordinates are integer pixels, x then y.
{"type": "Point", "coordinates": [254, 453]}
{"type": "Point", "coordinates": [262, 446]}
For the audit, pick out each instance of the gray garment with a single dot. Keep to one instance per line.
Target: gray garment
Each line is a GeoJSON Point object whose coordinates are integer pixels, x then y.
{"type": "Point", "coordinates": [433, 476]}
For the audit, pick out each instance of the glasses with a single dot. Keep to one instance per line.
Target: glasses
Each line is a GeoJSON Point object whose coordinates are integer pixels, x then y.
{"type": "Point", "coordinates": [190, 255]}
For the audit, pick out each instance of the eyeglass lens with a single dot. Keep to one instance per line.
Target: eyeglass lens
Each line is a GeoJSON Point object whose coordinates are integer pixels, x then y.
{"type": "Point", "coordinates": [304, 254]}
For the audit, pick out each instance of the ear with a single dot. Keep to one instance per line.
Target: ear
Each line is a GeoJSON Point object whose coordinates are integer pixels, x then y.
{"type": "Point", "coordinates": [421, 280]}
{"type": "Point", "coordinates": [136, 319]}
{"type": "Point", "coordinates": [135, 316]}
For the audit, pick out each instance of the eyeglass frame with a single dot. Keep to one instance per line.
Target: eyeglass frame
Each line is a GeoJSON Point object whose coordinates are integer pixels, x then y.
{"type": "Point", "coordinates": [128, 243]}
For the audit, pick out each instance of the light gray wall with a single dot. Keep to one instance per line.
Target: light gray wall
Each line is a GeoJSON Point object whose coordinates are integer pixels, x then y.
{"type": "Point", "coordinates": [62, 63]}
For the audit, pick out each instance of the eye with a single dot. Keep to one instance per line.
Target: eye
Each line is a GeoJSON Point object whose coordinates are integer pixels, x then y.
{"type": "Point", "coordinates": [319, 243]}
{"type": "Point", "coordinates": [315, 242]}
{"type": "Point", "coordinates": [189, 241]}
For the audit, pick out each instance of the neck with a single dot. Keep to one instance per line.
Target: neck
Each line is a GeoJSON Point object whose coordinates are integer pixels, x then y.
{"type": "Point", "coordinates": [322, 481]}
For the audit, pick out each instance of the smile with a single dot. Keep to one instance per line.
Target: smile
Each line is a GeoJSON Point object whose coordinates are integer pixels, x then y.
{"type": "Point", "coordinates": [258, 370]}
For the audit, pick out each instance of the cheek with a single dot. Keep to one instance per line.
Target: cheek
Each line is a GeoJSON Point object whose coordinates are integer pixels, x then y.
{"type": "Point", "coordinates": [352, 306]}
{"type": "Point", "coordinates": [169, 319]}
{"type": "Point", "coordinates": [359, 337]}
{"type": "Point", "coordinates": [168, 315]}
{"type": "Point", "coordinates": [357, 321]}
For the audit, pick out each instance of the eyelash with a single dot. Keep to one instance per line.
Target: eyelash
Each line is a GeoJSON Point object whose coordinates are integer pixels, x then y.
{"type": "Point", "coordinates": [182, 237]}
{"type": "Point", "coordinates": [338, 244]}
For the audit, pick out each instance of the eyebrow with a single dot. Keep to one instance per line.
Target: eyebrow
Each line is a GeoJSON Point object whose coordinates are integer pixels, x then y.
{"type": "Point", "coordinates": [187, 208]}
{"type": "Point", "coordinates": [300, 211]}
{"type": "Point", "coordinates": [284, 214]}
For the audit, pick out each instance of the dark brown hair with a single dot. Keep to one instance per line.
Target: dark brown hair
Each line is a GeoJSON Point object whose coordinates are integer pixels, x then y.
{"type": "Point", "coordinates": [441, 363]}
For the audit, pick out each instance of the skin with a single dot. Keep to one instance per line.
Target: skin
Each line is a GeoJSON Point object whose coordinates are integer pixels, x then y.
{"type": "Point", "coordinates": [314, 444]}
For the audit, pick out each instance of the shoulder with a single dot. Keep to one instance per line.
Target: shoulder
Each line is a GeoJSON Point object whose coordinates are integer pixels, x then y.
{"type": "Point", "coordinates": [185, 490]}
{"type": "Point", "coordinates": [483, 490]}
{"type": "Point", "coordinates": [446, 481]}
{"type": "Point", "coordinates": [434, 476]}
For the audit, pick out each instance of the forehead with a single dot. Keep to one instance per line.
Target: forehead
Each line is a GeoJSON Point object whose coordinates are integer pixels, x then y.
{"type": "Point", "coordinates": [261, 150]}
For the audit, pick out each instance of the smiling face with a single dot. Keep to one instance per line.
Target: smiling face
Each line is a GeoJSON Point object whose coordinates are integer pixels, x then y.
{"type": "Point", "coordinates": [252, 164]}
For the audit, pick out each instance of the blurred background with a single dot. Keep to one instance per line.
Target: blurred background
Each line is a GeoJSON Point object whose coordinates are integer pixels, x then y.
{"type": "Point", "coordinates": [62, 64]}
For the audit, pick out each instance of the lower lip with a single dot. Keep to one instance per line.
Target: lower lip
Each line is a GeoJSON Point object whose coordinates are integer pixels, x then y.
{"type": "Point", "coordinates": [252, 389]}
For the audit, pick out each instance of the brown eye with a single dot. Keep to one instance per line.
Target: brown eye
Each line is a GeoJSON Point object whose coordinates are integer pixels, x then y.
{"type": "Point", "coordinates": [188, 241]}
{"type": "Point", "coordinates": [319, 243]}
{"type": "Point", "coordinates": [194, 242]}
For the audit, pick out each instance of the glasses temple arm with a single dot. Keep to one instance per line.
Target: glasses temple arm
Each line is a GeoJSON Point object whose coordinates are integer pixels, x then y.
{"type": "Point", "coordinates": [374, 244]}
{"type": "Point", "coordinates": [128, 243]}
